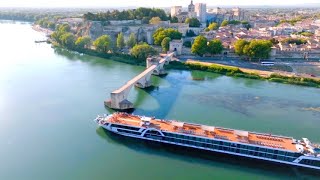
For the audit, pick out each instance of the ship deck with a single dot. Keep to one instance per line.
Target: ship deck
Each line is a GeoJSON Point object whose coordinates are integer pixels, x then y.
{"type": "Point", "coordinates": [261, 139]}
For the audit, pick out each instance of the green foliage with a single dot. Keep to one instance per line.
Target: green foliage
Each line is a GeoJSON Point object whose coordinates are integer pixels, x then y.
{"type": "Point", "coordinates": [190, 33]}
{"type": "Point", "coordinates": [132, 40]}
{"type": "Point", "coordinates": [258, 49]}
{"type": "Point", "coordinates": [83, 42]}
{"type": "Point", "coordinates": [234, 22]}
{"type": "Point", "coordinates": [62, 29]}
{"type": "Point", "coordinates": [296, 41]}
{"type": "Point", "coordinates": [161, 33]}
{"type": "Point", "coordinates": [239, 46]}
{"type": "Point", "coordinates": [193, 22]}
{"type": "Point", "coordinates": [199, 46]}
{"type": "Point", "coordinates": [142, 51]}
{"type": "Point", "coordinates": [253, 49]}
{"type": "Point", "coordinates": [303, 33]}
{"type": "Point", "coordinates": [213, 26]}
{"type": "Point", "coordinates": [68, 40]}
{"type": "Point", "coordinates": [291, 21]}
{"type": "Point", "coordinates": [214, 47]}
{"type": "Point", "coordinates": [187, 44]}
{"type": "Point", "coordinates": [103, 43]}
{"type": "Point", "coordinates": [131, 14]}
{"type": "Point", "coordinates": [155, 20]}
{"type": "Point", "coordinates": [46, 23]}
{"type": "Point", "coordinates": [221, 69]}
{"type": "Point", "coordinates": [224, 23]}
{"type": "Point", "coordinates": [120, 41]}
{"type": "Point", "coordinates": [165, 44]}
{"type": "Point", "coordinates": [174, 19]}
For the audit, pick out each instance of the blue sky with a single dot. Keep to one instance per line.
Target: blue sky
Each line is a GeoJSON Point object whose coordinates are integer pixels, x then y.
{"type": "Point", "coordinates": [143, 3]}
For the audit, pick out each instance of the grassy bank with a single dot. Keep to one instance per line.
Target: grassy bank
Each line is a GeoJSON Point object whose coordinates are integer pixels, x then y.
{"type": "Point", "coordinates": [237, 72]}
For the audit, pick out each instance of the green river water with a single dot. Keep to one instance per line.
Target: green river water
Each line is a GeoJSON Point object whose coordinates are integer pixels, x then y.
{"type": "Point", "coordinates": [49, 98]}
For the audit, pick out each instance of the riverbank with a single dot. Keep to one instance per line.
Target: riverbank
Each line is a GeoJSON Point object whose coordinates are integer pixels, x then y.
{"type": "Point", "coordinates": [209, 67]}
{"type": "Point", "coordinates": [281, 77]}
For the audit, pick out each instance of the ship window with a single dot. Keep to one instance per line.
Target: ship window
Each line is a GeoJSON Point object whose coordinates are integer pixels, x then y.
{"type": "Point", "coordinates": [226, 143]}
{"type": "Point", "coordinates": [270, 150]}
{"type": "Point", "coordinates": [317, 163]}
{"type": "Point", "coordinates": [215, 147]}
{"type": "Point", "coordinates": [280, 157]}
{"type": "Point", "coordinates": [237, 150]}
{"type": "Point", "coordinates": [274, 157]}
{"type": "Point", "coordinates": [269, 155]}
{"type": "Point", "coordinates": [275, 152]}
{"type": "Point", "coordinates": [262, 149]}
{"type": "Point", "coordinates": [243, 146]}
{"type": "Point", "coordinates": [256, 154]}
{"type": "Point", "coordinates": [262, 154]}
{"type": "Point", "coordinates": [251, 152]}
{"type": "Point", "coordinates": [225, 148]}
{"type": "Point", "coordinates": [281, 152]}
{"type": "Point", "coordinates": [243, 151]}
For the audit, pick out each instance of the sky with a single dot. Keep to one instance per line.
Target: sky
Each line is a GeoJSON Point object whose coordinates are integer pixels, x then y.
{"type": "Point", "coordinates": [145, 3]}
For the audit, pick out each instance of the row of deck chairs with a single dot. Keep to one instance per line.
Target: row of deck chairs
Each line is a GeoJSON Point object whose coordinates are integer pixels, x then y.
{"type": "Point", "coordinates": [268, 144]}
{"type": "Point", "coordinates": [270, 138]}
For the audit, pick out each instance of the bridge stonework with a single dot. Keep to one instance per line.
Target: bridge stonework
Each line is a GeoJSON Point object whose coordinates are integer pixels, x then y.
{"type": "Point", "coordinates": [118, 98]}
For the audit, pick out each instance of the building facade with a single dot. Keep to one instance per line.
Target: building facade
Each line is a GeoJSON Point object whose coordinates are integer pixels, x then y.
{"type": "Point", "coordinates": [176, 10]}
{"type": "Point", "coordinates": [201, 10]}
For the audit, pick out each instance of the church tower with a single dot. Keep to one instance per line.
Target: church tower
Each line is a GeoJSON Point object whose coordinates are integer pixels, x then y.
{"type": "Point", "coordinates": [191, 7]}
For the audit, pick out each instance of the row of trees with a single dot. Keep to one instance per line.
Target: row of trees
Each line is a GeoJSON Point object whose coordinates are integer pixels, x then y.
{"type": "Point", "coordinates": [201, 46]}
{"type": "Point", "coordinates": [162, 33]}
{"type": "Point", "coordinates": [46, 23]}
{"type": "Point", "coordinates": [144, 14]}
{"type": "Point", "coordinates": [253, 49]}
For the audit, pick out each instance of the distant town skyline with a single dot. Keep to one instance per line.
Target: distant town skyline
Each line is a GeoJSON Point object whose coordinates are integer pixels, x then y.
{"type": "Point", "coordinates": [147, 3]}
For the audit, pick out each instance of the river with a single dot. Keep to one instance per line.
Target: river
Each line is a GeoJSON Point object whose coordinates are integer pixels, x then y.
{"type": "Point", "coordinates": [49, 98]}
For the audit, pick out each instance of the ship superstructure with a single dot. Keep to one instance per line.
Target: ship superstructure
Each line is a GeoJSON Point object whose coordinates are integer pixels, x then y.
{"type": "Point", "coordinates": [255, 145]}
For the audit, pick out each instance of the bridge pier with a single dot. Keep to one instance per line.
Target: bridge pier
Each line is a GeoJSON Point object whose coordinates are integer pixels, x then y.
{"type": "Point", "coordinates": [118, 98]}
{"type": "Point", "coordinates": [159, 70]}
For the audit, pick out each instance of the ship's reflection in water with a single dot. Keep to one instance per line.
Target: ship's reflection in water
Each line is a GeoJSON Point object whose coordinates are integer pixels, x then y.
{"type": "Point", "coordinates": [210, 159]}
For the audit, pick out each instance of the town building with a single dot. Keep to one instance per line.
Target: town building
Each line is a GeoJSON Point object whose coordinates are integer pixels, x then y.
{"type": "Point", "coordinates": [176, 47]}
{"type": "Point", "coordinates": [175, 10]}
{"type": "Point", "coordinates": [201, 10]}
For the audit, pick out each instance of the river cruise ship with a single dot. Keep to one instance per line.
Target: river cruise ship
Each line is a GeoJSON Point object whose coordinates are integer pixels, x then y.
{"type": "Point", "coordinates": [261, 146]}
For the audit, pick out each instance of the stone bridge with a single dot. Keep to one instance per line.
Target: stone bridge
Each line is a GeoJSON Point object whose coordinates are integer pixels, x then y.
{"type": "Point", "coordinates": [119, 97]}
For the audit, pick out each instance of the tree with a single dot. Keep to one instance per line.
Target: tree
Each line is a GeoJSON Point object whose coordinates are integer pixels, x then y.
{"type": "Point", "coordinates": [258, 49]}
{"type": "Point", "coordinates": [142, 51]}
{"type": "Point", "coordinates": [67, 40]}
{"type": "Point", "coordinates": [132, 40]}
{"type": "Point", "coordinates": [214, 47]}
{"type": "Point", "coordinates": [174, 19]}
{"type": "Point", "coordinates": [239, 46]}
{"type": "Point", "coordinates": [120, 41]}
{"type": "Point", "coordinates": [103, 43]}
{"type": "Point", "coordinates": [83, 42]}
{"type": "Point", "coordinates": [161, 33]}
{"type": "Point", "coordinates": [155, 20]}
{"type": "Point", "coordinates": [213, 26]}
{"type": "Point", "coordinates": [193, 22]}
{"type": "Point", "coordinates": [190, 33]}
{"type": "Point", "coordinates": [199, 45]}
{"type": "Point", "coordinates": [165, 44]}
{"type": "Point", "coordinates": [224, 23]}
{"type": "Point", "coordinates": [187, 44]}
